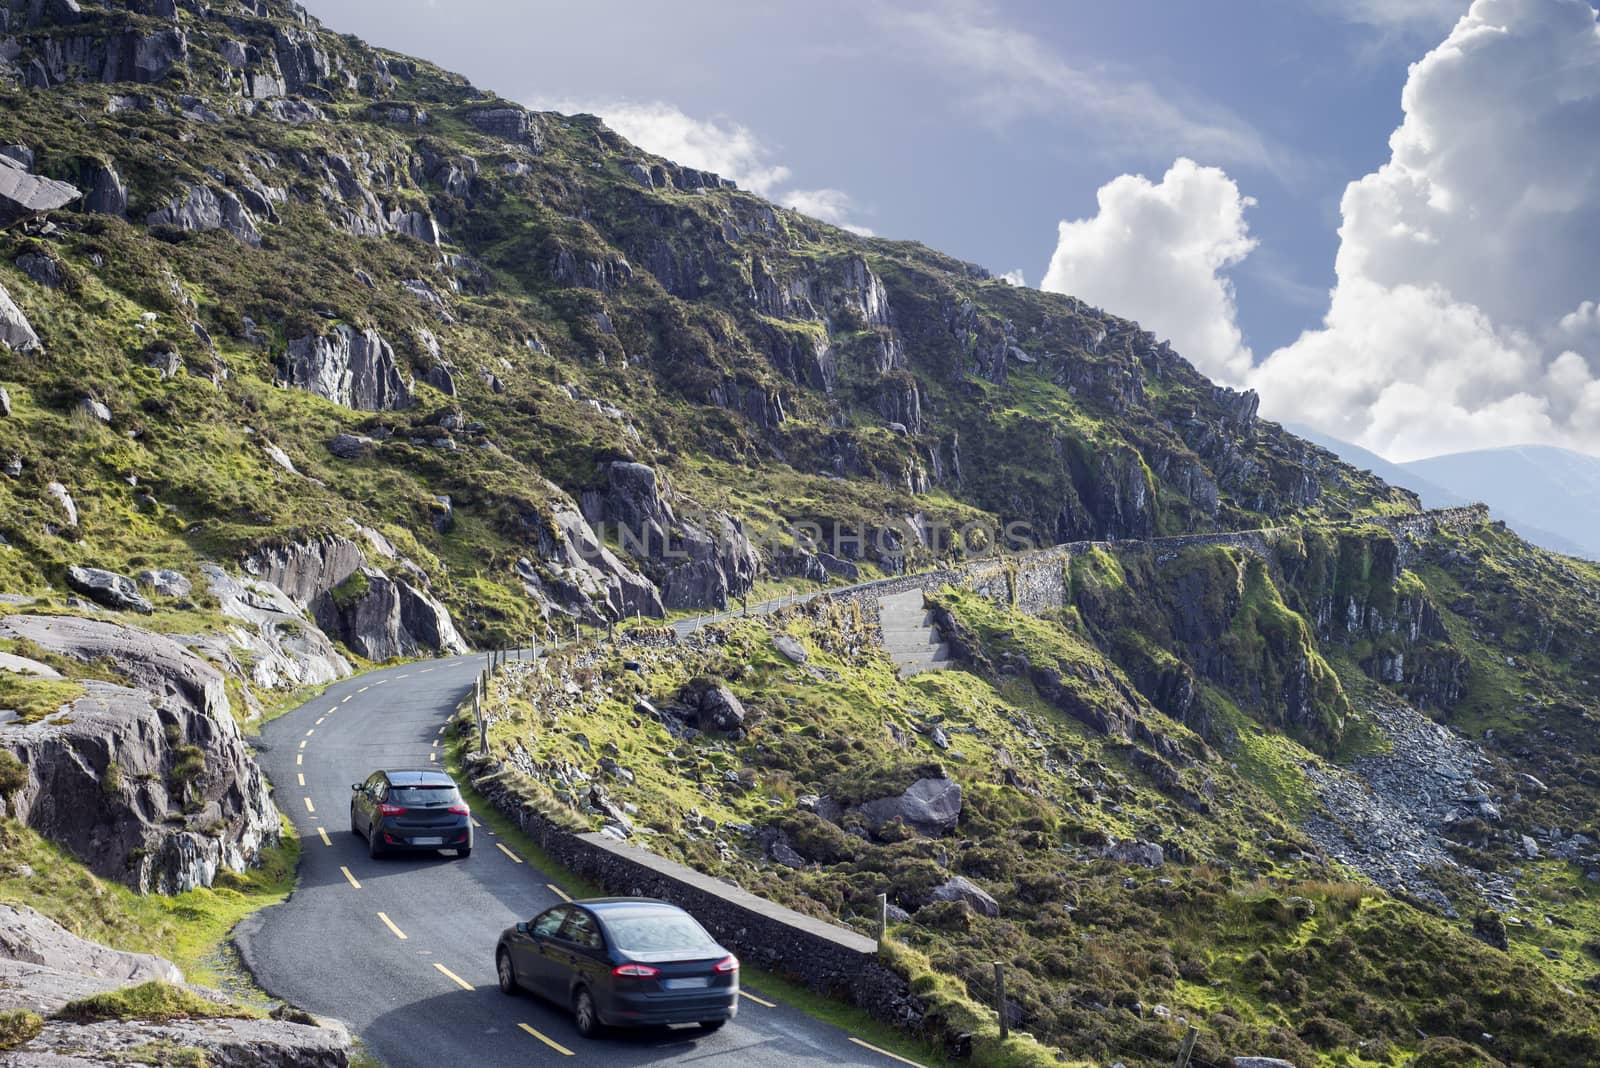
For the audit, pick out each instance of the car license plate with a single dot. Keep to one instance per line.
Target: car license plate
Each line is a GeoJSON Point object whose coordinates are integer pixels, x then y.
{"type": "Point", "coordinates": [686, 984]}
{"type": "Point", "coordinates": [427, 841]}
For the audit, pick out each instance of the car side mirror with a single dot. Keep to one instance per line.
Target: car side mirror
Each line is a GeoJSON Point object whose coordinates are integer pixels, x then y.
{"type": "Point", "coordinates": [522, 927]}
{"type": "Point", "coordinates": [355, 787]}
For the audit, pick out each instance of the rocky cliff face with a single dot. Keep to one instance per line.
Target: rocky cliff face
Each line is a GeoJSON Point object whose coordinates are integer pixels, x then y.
{"type": "Point", "coordinates": [149, 784]}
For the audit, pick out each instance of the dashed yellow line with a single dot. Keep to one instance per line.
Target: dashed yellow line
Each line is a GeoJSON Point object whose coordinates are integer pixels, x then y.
{"type": "Point", "coordinates": [387, 922]}
{"type": "Point", "coordinates": [309, 806]}
{"type": "Point", "coordinates": [302, 743]}
{"type": "Point", "coordinates": [331, 711]}
{"type": "Point", "coordinates": [441, 729]}
{"type": "Point", "coordinates": [556, 890]}
{"type": "Point", "coordinates": [323, 832]}
{"type": "Point", "coordinates": [407, 675]}
{"type": "Point", "coordinates": [452, 976]}
{"type": "Point", "coordinates": [475, 822]}
{"type": "Point", "coordinates": [310, 731]}
{"type": "Point", "coordinates": [299, 760]}
{"type": "Point", "coordinates": [552, 1043]}
{"type": "Point", "coordinates": [884, 1052]}
{"type": "Point", "coordinates": [380, 682]}
{"type": "Point", "coordinates": [758, 1001]}
{"type": "Point", "coordinates": [364, 689]}
{"type": "Point", "coordinates": [424, 671]}
{"type": "Point", "coordinates": [347, 697]}
{"type": "Point", "coordinates": [502, 847]}
{"type": "Point", "coordinates": [434, 757]}
{"type": "Point", "coordinates": [320, 719]}
{"type": "Point", "coordinates": [301, 776]}
{"type": "Point", "coordinates": [350, 878]}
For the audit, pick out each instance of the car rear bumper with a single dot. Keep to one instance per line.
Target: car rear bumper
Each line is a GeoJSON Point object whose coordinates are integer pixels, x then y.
{"type": "Point", "coordinates": [644, 1010]}
{"type": "Point", "coordinates": [426, 840]}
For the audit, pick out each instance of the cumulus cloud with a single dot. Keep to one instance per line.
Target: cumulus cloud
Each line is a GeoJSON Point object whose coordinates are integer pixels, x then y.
{"type": "Point", "coordinates": [1158, 252]}
{"type": "Point", "coordinates": [1464, 314]}
{"type": "Point", "coordinates": [1014, 278]}
{"type": "Point", "coordinates": [718, 145]}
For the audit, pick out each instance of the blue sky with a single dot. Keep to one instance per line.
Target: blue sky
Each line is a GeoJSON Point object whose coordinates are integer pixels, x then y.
{"type": "Point", "coordinates": [976, 126]}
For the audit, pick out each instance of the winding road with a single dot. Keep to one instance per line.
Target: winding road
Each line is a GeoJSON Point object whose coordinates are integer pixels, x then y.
{"type": "Point", "coordinates": [402, 949]}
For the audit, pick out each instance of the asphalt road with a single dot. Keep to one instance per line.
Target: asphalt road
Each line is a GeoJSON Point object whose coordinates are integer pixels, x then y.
{"type": "Point", "coordinates": [402, 949]}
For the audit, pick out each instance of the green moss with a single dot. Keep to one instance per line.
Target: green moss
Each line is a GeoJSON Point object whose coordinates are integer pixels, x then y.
{"type": "Point", "coordinates": [35, 698]}
{"type": "Point", "coordinates": [18, 1027]}
{"type": "Point", "coordinates": [155, 1002]}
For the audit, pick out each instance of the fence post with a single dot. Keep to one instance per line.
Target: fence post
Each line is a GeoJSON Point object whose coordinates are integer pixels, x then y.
{"type": "Point", "coordinates": [1187, 1050]}
{"type": "Point", "coordinates": [1000, 998]}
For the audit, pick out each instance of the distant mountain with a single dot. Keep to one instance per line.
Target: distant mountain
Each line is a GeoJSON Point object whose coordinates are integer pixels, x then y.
{"type": "Point", "coordinates": [1550, 496]}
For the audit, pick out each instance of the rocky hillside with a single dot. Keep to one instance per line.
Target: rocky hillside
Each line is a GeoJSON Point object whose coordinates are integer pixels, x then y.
{"type": "Point", "coordinates": [1326, 792]}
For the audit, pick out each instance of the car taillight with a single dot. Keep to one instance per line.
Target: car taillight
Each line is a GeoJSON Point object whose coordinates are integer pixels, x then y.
{"type": "Point", "coordinates": [387, 809]}
{"type": "Point", "coordinates": [726, 964]}
{"type": "Point", "coordinates": [636, 971]}
{"type": "Point", "coordinates": [460, 809]}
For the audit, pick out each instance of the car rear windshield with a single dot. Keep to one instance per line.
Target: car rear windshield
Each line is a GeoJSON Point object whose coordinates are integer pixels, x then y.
{"type": "Point", "coordinates": [423, 795]}
{"type": "Point", "coordinates": [658, 932]}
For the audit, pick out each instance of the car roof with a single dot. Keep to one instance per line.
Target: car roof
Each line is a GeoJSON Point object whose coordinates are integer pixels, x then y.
{"type": "Point", "coordinates": [631, 904]}
{"type": "Point", "coordinates": [418, 777]}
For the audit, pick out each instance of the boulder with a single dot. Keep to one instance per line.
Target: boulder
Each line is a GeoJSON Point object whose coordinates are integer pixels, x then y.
{"type": "Point", "coordinates": [108, 194]}
{"type": "Point", "coordinates": [108, 588]}
{"type": "Point", "coordinates": [223, 1041]}
{"type": "Point", "coordinates": [930, 806]}
{"type": "Point", "coordinates": [354, 368]}
{"type": "Point", "coordinates": [43, 270]}
{"type": "Point", "coordinates": [27, 937]}
{"type": "Point", "coordinates": [5, 403]}
{"type": "Point", "coordinates": [351, 446]}
{"type": "Point", "coordinates": [791, 649]}
{"type": "Point", "coordinates": [960, 888]}
{"type": "Point", "coordinates": [94, 410]}
{"type": "Point", "coordinates": [1141, 854]}
{"type": "Point", "coordinates": [16, 333]}
{"type": "Point", "coordinates": [388, 618]}
{"type": "Point", "coordinates": [279, 457]}
{"type": "Point", "coordinates": [511, 123]}
{"type": "Point", "coordinates": [715, 705]}
{"type": "Point", "coordinates": [64, 499]}
{"type": "Point", "coordinates": [24, 195]}
{"type": "Point", "coordinates": [148, 784]}
{"type": "Point", "coordinates": [281, 650]}
{"type": "Point", "coordinates": [200, 207]}
{"type": "Point", "coordinates": [166, 583]}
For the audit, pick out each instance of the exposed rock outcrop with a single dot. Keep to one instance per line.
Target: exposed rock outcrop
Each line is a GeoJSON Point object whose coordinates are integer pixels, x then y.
{"type": "Point", "coordinates": [200, 207]}
{"type": "Point", "coordinates": [960, 888]}
{"type": "Point", "coordinates": [281, 648]}
{"type": "Point", "coordinates": [16, 333]}
{"type": "Point", "coordinates": [699, 559]}
{"type": "Point", "coordinates": [376, 614]}
{"type": "Point", "coordinates": [108, 194]}
{"type": "Point", "coordinates": [149, 784]}
{"type": "Point", "coordinates": [108, 588]}
{"type": "Point", "coordinates": [43, 967]}
{"type": "Point", "coordinates": [576, 574]}
{"type": "Point", "coordinates": [355, 368]}
{"type": "Point", "coordinates": [24, 195]}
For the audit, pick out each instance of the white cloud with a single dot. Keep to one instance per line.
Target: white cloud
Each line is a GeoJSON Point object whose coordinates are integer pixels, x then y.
{"type": "Point", "coordinates": [1156, 252]}
{"type": "Point", "coordinates": [1408, 15]}
{"type": "Point", "coordinates": [719, 145]}
{"type": "Point", "coordinates": [1463, 314]}
{"type": "Point", "coordinates": [1014, 278]}
{"type": "Point", "coordinates": [1005, 73]}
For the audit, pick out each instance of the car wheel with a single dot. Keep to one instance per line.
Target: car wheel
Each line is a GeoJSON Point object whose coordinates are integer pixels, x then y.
{"type": "Point", "coordinates": [585, 1015]}
{"type": "Point", "coordinates": [374, 848]}
{"type": "Point", "coordinates": [711, 1025]}
{"type": "Point", "coordinates": [508, 975]}
{"type": "Point", "coordinates": [464, 852]}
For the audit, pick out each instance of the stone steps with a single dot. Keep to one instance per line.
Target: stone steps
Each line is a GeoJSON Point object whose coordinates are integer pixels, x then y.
{"type": "Point", "coordinates": [909, 634]}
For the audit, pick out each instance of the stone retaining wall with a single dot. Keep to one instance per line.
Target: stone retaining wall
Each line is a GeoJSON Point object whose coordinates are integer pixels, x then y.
{"type": "Point", "coordinates": [824, 957]}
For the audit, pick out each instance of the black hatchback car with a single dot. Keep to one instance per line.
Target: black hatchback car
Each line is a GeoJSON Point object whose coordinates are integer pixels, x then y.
{"type": "Point", "coordinates": [621, 962]}
{"type": "Point", "coordinates": [408, 810]}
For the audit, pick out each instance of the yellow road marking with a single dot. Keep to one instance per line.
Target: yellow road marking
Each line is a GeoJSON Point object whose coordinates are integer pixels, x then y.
{"type": "Point", "coordinates": [323, 831]}
{"type": "Point", "coordinates": [364, 689]}
{"type": "Point", "coordinates": [407, 675]}
{"type": "Point", "coordinates": [299, 759]}
{"type": "Point", "coordinates": [453, 977]}
{"type": "Point", "coordinates": [424, 671]}
{"type": "Point", "coordinates": [347, 697]}
{"type": "Point", "coordinates": [556, 890]}
{"type": "Point", "coordinates": [884, 1052]}
{"type": "Point", "coordinates": [351, 878]}
{"type": "Point", "coordinates": [332, 710]}
{"type": "Point", "coordinates": [310, 731]}
{"type": "Point", "coordinates": [309, 806]}
{"type": "Point", "coordinates": [302, 743]}
{"type": "Point", "coordinates": [380, 682]}
{"type": "Point", "coordinates": [475, 822]}
{"type": "Point", "coordinates": [433, 757]}
{"type": "Point", "coordinates": [514, 858]}
{"type": "Point", "coordinates": [387, 922]}
{"type": "Point", "coordinates": [440, 730]}
{"type": "Point", "coordinates": [758, 1001]}
{"type": "Point", "coordinates": [302, 777]}
{"type": "Point", "coordinates": [552, 1043]}
{"type": "Point", "coordinates": [436, 743]}
{"type": "Point", "coordinates": [320, 719]}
